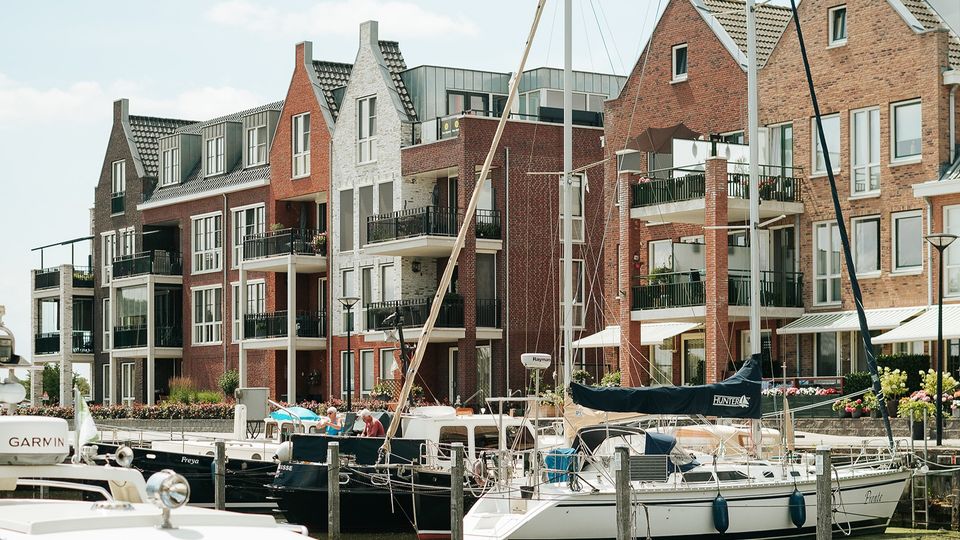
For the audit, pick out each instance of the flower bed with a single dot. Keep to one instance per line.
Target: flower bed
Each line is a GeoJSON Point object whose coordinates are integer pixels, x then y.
{"type": "Point", "coordinates": [197, 411]}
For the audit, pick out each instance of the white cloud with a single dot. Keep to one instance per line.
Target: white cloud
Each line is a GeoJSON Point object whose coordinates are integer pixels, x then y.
{"type": "Point", "coordinates": [20, 102]}
{"type": "Point", "coordinates": [399, 19]}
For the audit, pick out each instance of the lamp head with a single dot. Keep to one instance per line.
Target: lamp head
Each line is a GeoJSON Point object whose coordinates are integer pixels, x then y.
{"type": "Point", "coordinates": [940, 240]}
{"type": "Point", "coordinates": [349, 301]}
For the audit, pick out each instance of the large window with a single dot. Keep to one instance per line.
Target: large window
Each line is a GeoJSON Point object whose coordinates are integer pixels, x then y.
{"type": "Point", "coordinates": [170, 167]}
{"type": "Point", "coordinates": [579, 285]}
{"type": "Point", "coordinates": [906, 131]}
{"type": "Point", "coordinates": [661, 256]}
{"type": "Point", "coordinates": [826, 237]}
{"type": "Point", "coordinates": [679, 62]}
{"type": "Point", "coordinates": [367, 129]}
{"type": "Point", "coordinates": [106, 384]}
{"type": "Point", "coordinates": [907, 241]}
{"type": "Point", "coordinates": [831, 131]}
{"type": "Point", "coordinates": [301, 145]}
{"type": "Point", "coordinates": [866, 244]}
{"type": "Point", "coordinates": [366, 372]}
{"type": "Point", "coordinates": [348, 287]}
{"type": "Point", "coordinates": [347, 377]}
{"type": "Point", "coordinates": [126, 383]}
{"type": "Point", "coordinates": [951, 219]}
{"type": "Point", "coordinates": [366, 294]}
{"type": "Point", "coordinates": [346, 220]}
{"type": "Point", "coordinates": [385, 197]}
{"type": "Point", "coordinates": [207, 243]}
{"type": "Point", "coordinates": [118, 177]}
{"type": "Point", "coordinates": [838, 25]}
{"type": "Point", "coordinates": [827, 357]}
{"type": "Point", "coordinates": [107, 325]}
{"type": "Point", "coordinates": [484, 373]}
{"type": "Point", "coordinates": [256, 298]}
{"type": "Point", "coordinates": [246, 221]}
{"type": "Point", "coordinates": [256, 146]}
{"type": "Point", "coordinates": [215, 159]}
{"type": "Point", "coordinates": [207, 315]}
{"type": "Point", "coordinates": [388, 287]}
{"type": "Point", "coordinates": [388, 363]}
{"type": "Point", "coordinates": [126, 242]}
{"type": "Point", "coordinates": [131, 307]}
{"type": "Point", "coordinates": [781, 147]}
{"type": "Point", "coordinates": [865, 151]}
{"type": "Point", "coordinates": [108, 251]}
{"type": "Point", "coordinates": [365, 196]}
{"type": "Point", "coordinates": [576, 207]}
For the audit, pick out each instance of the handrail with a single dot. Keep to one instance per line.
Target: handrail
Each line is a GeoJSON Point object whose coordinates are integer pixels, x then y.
{"type": "Point", "coordinates": [288, 411]}
{"type": "Point", "coordinates": [65, 485]}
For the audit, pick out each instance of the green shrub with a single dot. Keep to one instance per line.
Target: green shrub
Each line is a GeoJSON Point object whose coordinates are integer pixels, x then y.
{"type": "Point", "coordinates": [581, 376]}
{"type": "Point", "coordinates": [611, 379]}
{"type": "Point", "coordinates": [856, 381]}
{"type": "Point", "coordinates": [207, 396]}
{"type": "Point", "coordinates": [229, 382]}
{"type": "Point", "coordinates": [911, 364]}
{"type": "Point", "coordinates": [182, 390]}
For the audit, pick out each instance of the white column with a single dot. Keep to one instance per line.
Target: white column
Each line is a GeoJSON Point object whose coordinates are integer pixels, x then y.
{"type": "Point", "coordinates": [242, 363]}
{"type": "Point", "coordinates": [151, 342]}
{"type": "Point", "coordinates": [114, 397]}
{"type": "Point", "coordinates": [66, 335]}
{"type": "Point", "coordinates": [291, 331]}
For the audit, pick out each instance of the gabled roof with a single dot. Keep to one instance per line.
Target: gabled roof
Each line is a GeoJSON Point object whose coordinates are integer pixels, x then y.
{"type": "Point", "coordinates": [145, 132]}
{"type": "Point", "coordinates": [199, 186]}
{"type": "Point", "coordinates": [396, 65]}
{"type": "Point", "coordinates": [196, 127]}
{"type": "Point", "coordinates": [924, 13]}
{"type": "Point", "coordinates": [332, 75]}
{"type": "Point", "coordinates": [728, 20]}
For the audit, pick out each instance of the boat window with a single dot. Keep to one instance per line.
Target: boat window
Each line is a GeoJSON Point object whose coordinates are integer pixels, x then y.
{"type": "Point", "coordinates": [768, 474]}
{"type": "Point", "coordinates": [794, 473]}
{"type": "Point", "coordinates": [731, 476]}
{"type": "Point", "coordinates": [486, 438]}
{"type": "Point", "coordinates": [450, 435]}
{"type": "Point", "coordinates": [698, 476]}
{"type": "Point", "coordinates": [519, 438]}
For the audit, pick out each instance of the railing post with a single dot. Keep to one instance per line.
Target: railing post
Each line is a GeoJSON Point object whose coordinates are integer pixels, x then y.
{"type": "Point", "coordinates": [333, 491]}
{"type": "Point", "coordinates": [456, 492]}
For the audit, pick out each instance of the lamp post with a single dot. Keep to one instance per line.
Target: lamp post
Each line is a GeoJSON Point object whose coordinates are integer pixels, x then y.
{"type": "Point", "coordinates": [348, 303]}
{"type": "Point", "coordinates": [940, 241]}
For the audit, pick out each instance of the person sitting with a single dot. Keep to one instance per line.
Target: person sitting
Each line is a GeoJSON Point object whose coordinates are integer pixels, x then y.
{"type": "Point", "coordinates": [372, 427]}
{"type": "Point", "coordinates": [332, 422]}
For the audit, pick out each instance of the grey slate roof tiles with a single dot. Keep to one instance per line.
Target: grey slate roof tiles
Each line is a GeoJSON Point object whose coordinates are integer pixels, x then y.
{"type": "Point", "coordinates": [771, 21]}
{"type": "Point", "coordinates": [197, 183]}
{"type": "Point", "coordinates": [196, 127]}
{"type": "Point", "coordinates": [926, 15]}
{"type": "Point", "coordinates": [332, 75]}
{"type": "Point", "coordinates": [396, 64]}
{"type": "Point", "coordinates": [146, 130]}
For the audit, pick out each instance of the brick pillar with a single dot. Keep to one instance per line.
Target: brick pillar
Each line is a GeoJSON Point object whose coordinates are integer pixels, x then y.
{"type": "Point", "coordinates": [634, 360]}
{"type": "Point", "coordinates": [66, 335]}
{"type": "Point", "coordinates": [467, 287]}
{"type": "Point", "coordinates": [717, 312]}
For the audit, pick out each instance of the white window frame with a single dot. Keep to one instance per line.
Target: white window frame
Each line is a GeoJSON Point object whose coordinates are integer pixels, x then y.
{"type": "Point", "coordinates": [343, 292]}
{"type": "Point", "coordinates": [674, 76]}
{"type": "Point", "coordinates": [816, 354]}
{"type": "Point", "coordinates": [856, 239]}
{"type": "Point", "coordinates": [894, 266]}
{"type": "Point", "coordinates": [915, 158]}
{"type": "Point", "coordinates": [651, 247]}
{"type": "Point", "coordinates": [366, 386]}
{"type": "Point", "coordinates": [874, 163]}
{"type": "Point", "coordinates": [256, 303]}
{"type": "Point", "coordinates": [240, 228]}
{"type": "Point", "coordinates": [815, 142]}
{"type": "Point", "coordinates": [255, 145]}
{"type": "Point", "coordinates": [831, 21]}
{"type": "Point", "coordinates": [345, 357]}
{"type": "Point", "coordinates": [300, 145]}
{"type": "Point", "coordinates": [126, 242]}
{"type": "Point", "coordinates": [108, 252]}
{"type": "Point", "coordinates": [579, 311]}
{"type": "Point", "coordinates": [105, 369]}
{"type": "Point", "coordinates": [390, 355]}
{"type": "Point", "coordinates": [118, 177]}
{"type": "Point", "coordinates": [170, 167]}
{"type": "Point", "coordinates": [107, 318]}
{"type": "Point", "coordinates": [214, 252]}
{"type": "Point", "coordinates": [127, 382]}
{"type": "Point", "coordinates": [215, 156]}
{"type": "Point", "coordinates": [579, 231]}
{"type": "Point", "coordinates": [214, 326]}
{"type": "Point", "coordinates": [952, 252]}
{"type": "Point", "coordinates": [832, 273]}
{"type": "Point", "coordinates": [382, 278]}
{"type": "Point", "coordinates": [366, 130]}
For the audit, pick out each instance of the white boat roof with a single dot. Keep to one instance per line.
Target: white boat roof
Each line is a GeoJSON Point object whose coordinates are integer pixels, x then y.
{"type": "Point", "coordinates": [125, 484]}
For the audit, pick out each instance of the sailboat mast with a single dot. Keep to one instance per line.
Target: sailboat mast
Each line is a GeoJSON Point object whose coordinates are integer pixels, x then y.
{"type": "Point", "coordinates": [567, 188]}
{"type": "Point", "coordinates": [754, 128]}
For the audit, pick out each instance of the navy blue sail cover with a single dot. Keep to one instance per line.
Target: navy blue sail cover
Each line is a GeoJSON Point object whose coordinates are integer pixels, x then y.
{"type": "Point", "coordinates": [736, 397]}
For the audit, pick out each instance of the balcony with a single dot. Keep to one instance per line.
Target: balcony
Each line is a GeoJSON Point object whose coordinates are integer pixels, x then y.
{"type": "Point", "coordinates": [135, 337]}
{"type": "Point", "coordinates": [448, 127]}
{"type": "Point", "coordinates": [82, 342]}
{"type": "Point", "coordinates": [488, 313]}
{"type": "Point", "coordinates": [82, 277]}
{"type": "Point", "coordinates": [678, 195]}
{"type": "Point", "coordinates": [158, 263]}
{"type": "Point", "coordinates": [414, 312]}
{"type": "Point", "coordinates": [46, 343]}
{"type": "Point", "coordinates": [116, 203]}
{"type": "Point", "coordinates": [429, 231]}
{"type": "Point", "coordinates": [682, 295]}
{"type": "Point", "coordinates": [46, 278]}
{"type": "Point", "coordinates": [272, 251]}
{"type": "Point", "coordinates": [269, 330]}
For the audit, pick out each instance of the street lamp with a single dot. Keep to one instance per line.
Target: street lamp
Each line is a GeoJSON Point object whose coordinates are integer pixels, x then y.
{"type": "Point", "coordinates": [348, 303]}
{"type": "Point", "coordinates": [940, 241]}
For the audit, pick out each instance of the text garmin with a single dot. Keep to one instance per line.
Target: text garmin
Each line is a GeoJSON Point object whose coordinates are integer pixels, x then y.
{"type": "Point", "coordinates": [35, 442]}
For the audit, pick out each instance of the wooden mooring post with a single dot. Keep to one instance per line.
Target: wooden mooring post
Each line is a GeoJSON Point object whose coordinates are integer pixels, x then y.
{"type": "Point", "coordinates": [955, 500]}
{"type": "Point", "coordinates": [824, 494]}
{"type": "Point", "coordinates": [622, 470]}
{"type": "Point", "coordinates": [456, 492]}
{"type": "Point", "coordinates": [333, 491]}
{"type": "Point", "coordinates": [220, 475]}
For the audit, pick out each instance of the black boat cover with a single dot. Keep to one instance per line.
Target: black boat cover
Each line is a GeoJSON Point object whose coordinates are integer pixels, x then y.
{"type": "Point", "coordinates": [313, 448]}
{"type": "Point", "coordinates": [736, 397]}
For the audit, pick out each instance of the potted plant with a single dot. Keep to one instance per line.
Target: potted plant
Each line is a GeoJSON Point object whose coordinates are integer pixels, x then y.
{"type": "Point", "coordinates": [313, 378]}
{"type": "Point", "coordinates": [320, 243]}
{"type": "Point", "coordinates": [955, 408]}
{"type": "Point", "coordinates": [274, 227]}
{"type": "Point", "coordinates": [581, 376]}
{"type": "Point", "coordinates": [611, 379]}
{"type": "Point", "coordinates": [382, 391]}
{"type": "Point", "coordinates": [870, 405]}
{"type": "Point", "coordinates": [550, 403]}
{"type": "Point", "coordinates": [894, 384]}
{"type": "Point", "coordinates": [917, 408]}
{"type": "Point", "coordinates": [840, 406]}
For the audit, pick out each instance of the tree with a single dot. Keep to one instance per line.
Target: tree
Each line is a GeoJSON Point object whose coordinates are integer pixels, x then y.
{"type": "Point", "coordinates": [50, 377]}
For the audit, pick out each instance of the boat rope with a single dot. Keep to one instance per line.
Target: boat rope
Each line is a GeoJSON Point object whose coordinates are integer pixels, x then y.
{"type": "Point", "coordinates": [839, 493]}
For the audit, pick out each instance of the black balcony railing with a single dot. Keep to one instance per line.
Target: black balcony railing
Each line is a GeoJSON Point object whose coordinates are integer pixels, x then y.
{"type": "Point", "coordinates": [46, 278]}
{"type": "Point", "coordinates": [274, 325]}
{"type": "Point", "coordinates": [429, 221]}
{"type": "Point", "coordinates": [488, 313]}
{"type": "Point", "coordinates": [47, 343]}
{"type": "Point", "coordinates": [129, 337]}
{"type": "Point", "coordinates": [488, 224]}
{"type": "Point", "coordinates": [284, 242]}
{"type": "Point", "coordinates": [685, 289]}
{"type": "Point", "coordinates": [777, 289]}
{"type": "Point", "coordinates": [83, 341]}
{"type": "Point", "coordinates": [776, 183]}
{"type": "Point", "coordinates": [116, 203]}
{"type": "Point", "coordinates": [414, 312]}
{"type": "Point", "coordinates": [161, 263]}
{"type": "Point", "coordinates": [772, 187]}
{"type": "Point", "coordinates": [83, 277]}
{"type": "Point", "coordinates": [679, 185]}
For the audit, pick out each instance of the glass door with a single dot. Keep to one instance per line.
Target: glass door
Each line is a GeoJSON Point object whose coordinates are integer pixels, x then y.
{"type": "Point", "coordinates": [694, 359]}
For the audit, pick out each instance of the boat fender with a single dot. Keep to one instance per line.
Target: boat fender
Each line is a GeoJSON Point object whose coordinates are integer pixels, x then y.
{"type": "Point", "coordinates": [721, 514]}
{"type": "Point", "coordinates": [798, 508]}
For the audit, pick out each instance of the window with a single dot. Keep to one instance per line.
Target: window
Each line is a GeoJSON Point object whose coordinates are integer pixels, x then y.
{"type": "Point", "coordinates": [366, 293]}
{"type": "Point", "coordinates": [131, 307]}
{"type": "Point", "coordinates": [385, 197]}
{"type": "Point", "coordinates": [170, 167]}
{"type": "Point", "coordinates": [865, 151]}
{"type": "Point", "coordinates": [680, 62]}
{"type": "Point", "coordinates": [576, 210]}
{"type": "Point", "coordinates": [827, 359]}
{"type": "Point", "coordinates": [108, 251]}
{"type": "Point", "coordinates": [486, 438]}
{"type": "Point", "coordinates": [207, 315]}
{"type": "Point", "coordinates": [450, 435]}
{"type": "Point", "coordinates": [367, 129]}
{"type": "Point", "coordinates": [106, 384]}
{"type": "Point", "coordinates": [951, 219]}
{"type": "Point", "coordinates": [579, 285]}
{"type": "Point", "coordinates": [349, 288]}
{"type": "Point", "coordinates": [256, 146]}
{"type": "Point", "coordinates": [366, 372]}
{"type": "Point", "coordinates": [255, 303]}
{"type": "Point", "coordinates": [322, 217]}
{"type": "Point", "coordinates": [781, 147]}
{"type": "Point", "coordinates": [907, 241]}
{"type": "Point", "coordinates": [661, 256]}
{"type": "Point", "coordinates": [826, 238]}
{"type": "Point", "coordinates": [127, 242]}
{"type": "Point", "coordinates": [346, 373]}
{"type": "Point", "coordinates": [619, 271]}
{"type": "Point", "coordinates": [118, 177]}
{"type": "Point", "coordinates": [214, 156]}
{"type": "Point", "coordinates": [365, 196]}
{"type": "Point", "coordinates": [388, 363]}
{"type": "Point", "coordinates": [126, 383]}
{"type": "Point", "coordinates": [906, 131]}
{"type": "Point", "coordinates": [246, 221]}
{"type": "Point", "coordinates": [346, 220]}
{"type": "Point", "coordinates": [458, 102]}
{"type": "Point", "coordinates": [733, 137]}
{"type": "Point", "coordinates": [662, 372]}
{"type": "Point", "coordinates": [838, 25]}
{"type": "Point", "coordinates": [207, 243]}
{"type": "Point", "coordinates": [301, 145]}
{"type": "Point", "coordinates": [107, 325]}
{"type": "Point", "coordinates": [910, 347]}
{"type": "Point", "coordinates": [388, 288]}
{"type": "Point", "coordinates": [866, 244]}
{"type": "Point", "coordinates": [831, 131]}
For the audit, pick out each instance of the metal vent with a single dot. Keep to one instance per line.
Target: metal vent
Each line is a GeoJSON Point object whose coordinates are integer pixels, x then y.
{"type": "Point", "coordinates": [648, 468]}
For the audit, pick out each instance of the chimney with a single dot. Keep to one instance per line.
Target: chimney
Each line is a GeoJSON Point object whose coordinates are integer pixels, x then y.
{"type": "Point", "coordinates": [369, 34]}
{"type": "Point", "coordinates": [121, 110]}
{"type": "Point", "coordinates": [304, 53]}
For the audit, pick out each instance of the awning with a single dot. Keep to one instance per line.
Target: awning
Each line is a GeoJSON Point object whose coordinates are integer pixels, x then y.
{"type": "Point", "coordinates": [650, 334]}
{"type": "Point", "coordinates": [847, 321]}
{"type": "Point", "coordinates": [924, 327]}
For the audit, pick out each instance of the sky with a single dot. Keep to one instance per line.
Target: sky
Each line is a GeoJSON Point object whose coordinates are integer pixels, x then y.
{"type": "Point", "coordinates": [65, 62]}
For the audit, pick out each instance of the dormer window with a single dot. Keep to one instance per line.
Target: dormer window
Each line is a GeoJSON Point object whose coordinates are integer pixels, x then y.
{"type": "Point", "coordinates": [214, 163]}
{"type": "Point", "coordinates": [838, 26]}
{"type": "Point", "coordinates": [679, 63]}
{"type": "Point", "coordinates": [301, 145]}
{"type": "Point", "coordinates": [170, 167]}
{"type": "Point", "coordinates": [256, 146]}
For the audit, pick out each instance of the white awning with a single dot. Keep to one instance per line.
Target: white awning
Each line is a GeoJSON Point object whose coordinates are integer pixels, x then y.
{"type": "Point", "coordinates": [924, 327]}
{"type": "Point", "coordinates": [650, 334]}
{"type": "Point", "coordinates": [847, 321]}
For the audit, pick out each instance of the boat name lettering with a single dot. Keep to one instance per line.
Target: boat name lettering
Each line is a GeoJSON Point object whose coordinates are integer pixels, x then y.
{"type": "Point", "coordinates": [284, 468]}
{"type": "Point", "coordinates": [35, 442]}
{"type": "Point", "coordinates": [871, 498]}
{"type": "Point", "coordinates": [191, 461]}
{"type": "Point", "coordinates": [731, 401]}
